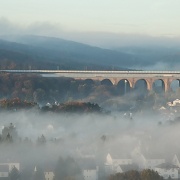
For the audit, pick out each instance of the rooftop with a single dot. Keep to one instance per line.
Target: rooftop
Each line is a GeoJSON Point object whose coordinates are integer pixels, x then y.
{"type": "Point", "coordinates": [166, 166]}
{"type": "Point", "coordinates": [128, 167]}
{"type": "Point", "coordinates": [4, 168]}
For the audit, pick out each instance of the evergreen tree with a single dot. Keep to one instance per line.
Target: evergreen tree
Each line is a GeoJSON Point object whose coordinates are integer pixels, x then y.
{"type": "Point", "coordinates": [67, 169]}
{"type": "Point", "coordinates": [11, 129]}
{"type": "Point", "coordinates": [8, 138]}
{"type": "Point", "coordinates": [38, 174]}
{"type": "Point", "coordinates": [60, 170]}
{"type": "Point", "coordinates": [14, 174]}
{"type": "Point", "coordinates": [41, 140]}
{"type": "Point", "coordinates": [72, 168]}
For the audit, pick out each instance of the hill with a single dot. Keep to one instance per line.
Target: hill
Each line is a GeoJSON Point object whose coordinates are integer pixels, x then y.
{"type": "Point", "coordinates": [67, 54]}
{"type": "Point", "coordinates": [152, 55]}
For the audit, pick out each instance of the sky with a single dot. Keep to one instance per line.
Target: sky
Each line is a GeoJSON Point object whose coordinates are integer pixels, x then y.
{"type": "Point", "coordinates": [94, 22]}
{"type": "Point", "coordinates": [152, 17]}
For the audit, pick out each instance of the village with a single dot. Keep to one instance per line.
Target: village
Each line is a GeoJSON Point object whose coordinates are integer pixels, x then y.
{"type": "Point", "coordinates": [92, 163]}
{"type": "Point", "coordinates": [114, 164]}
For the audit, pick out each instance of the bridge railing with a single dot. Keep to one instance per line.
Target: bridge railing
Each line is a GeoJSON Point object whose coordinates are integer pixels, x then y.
{"type": "Point", "coordinates": [91, 72]}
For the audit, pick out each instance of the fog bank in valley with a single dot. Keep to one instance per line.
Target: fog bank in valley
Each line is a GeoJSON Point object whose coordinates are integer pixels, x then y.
{"type": "Point", "coordinates": [77, 135]}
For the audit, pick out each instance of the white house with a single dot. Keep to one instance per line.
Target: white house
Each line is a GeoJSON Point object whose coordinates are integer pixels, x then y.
{"type": "Point", "coordinates": [112, 162]}
{"type": "Point", "coordinates": [49, 173]}
{"type": "Point", "coordinates": [11, 165]}
{"type": "Point", "coordinates": [176, 160]}
{"type": "Point", "coordinates": [167, 170]}
{"type": "Point", "coordinates": [174, 103]}
{"type": "Point", "coordinates": [146, 160]}
{"type": "Point", "coordinates": [87, 153]}
{"type": "Point", "coordinates": [138, 158]}
{"type": "Point", "coordinates": [4, 172]}
{"type": "Point", "coordinates": [152, 162]}
{"type": "Point", "coordinates": [89, 168]}
{"type": "Point", "coordinates": [49, 105]}
{"type": "Point", "coordinates": [91, 173]}
{"type": "Point", "coordinates": [126, 167]}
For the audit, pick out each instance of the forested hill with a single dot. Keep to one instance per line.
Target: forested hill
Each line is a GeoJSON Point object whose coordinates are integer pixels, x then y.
{"type": "Point", "coordinates": [53, 52]}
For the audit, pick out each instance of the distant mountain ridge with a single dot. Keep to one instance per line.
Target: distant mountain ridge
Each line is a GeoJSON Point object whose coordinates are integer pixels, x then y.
{"type": "Point", "coordinates": [56, 51]}
{"type": "Point", "coordinates": [49, 52]}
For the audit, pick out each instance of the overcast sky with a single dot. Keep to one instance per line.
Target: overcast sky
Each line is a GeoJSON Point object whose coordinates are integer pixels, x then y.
{"type": "Point", "coordinates": [155, 17]}
{"type": "Point", "coordinates": [139, 17]}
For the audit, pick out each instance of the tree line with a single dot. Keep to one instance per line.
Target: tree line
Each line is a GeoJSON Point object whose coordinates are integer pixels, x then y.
{"type": "Point", "coordinates": [35, 88]}
{"type": "Point", "coordinates": [146, 174]}
{"type": "Point", "coordinates": [16, 104]}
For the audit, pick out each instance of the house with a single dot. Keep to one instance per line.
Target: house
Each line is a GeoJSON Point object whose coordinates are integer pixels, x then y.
{"type": "Point", "coordinates": [145, 159]}
{"type": "Point", "coordinates": [11, 165]}
{"type": "Point", "coordinates": [167, 170]}
{"type": "Point", "coordinates": [85, 153]}
{"type": "Point", "coordinates": [152, 160]}
{"type": "Point", "coordinates": [126, 167]}
{"type": "Point", "coordinates": [91, 173]}
{"type": "Point", "coordinates": [112, 162]}
{"type": "Point", "coordinates": [49, 105]}
{"type": "Point", "coordinates": [162, 108]}
{"type": "Point", "coordinates": [174, 103]}
{"type": "Point", "coordinates": [138, 157]}
{"type": "Point", "coordinates": [176, 160]}
{"type": "Point", "coordinates": [4, 172]}
{"type": "Point", "coordinates": [49, 172]}
{"type": "Point", "coordinates": [89, 168]}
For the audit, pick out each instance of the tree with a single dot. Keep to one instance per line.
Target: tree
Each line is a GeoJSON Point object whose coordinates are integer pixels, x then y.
{"type": "Point", "coordinates": [38, 174]}
{"type": "Point", "coordinates": [41, 94]}
{"type": "Point", "coordinates": [133, 175]}
{"type": "Point", "coordinates": [59, 172]}
{"type": "Point", "coordinates": [148, 174]}
{"type": "Point", "coordinates": [74, 86]}
{"type": "Point", "coordinates": [8, 138]}
{"type": "Point", "coordinates": [14, 174]}
{"type": "Point", "coordinates": [117, 176]}
{"type": "Point", "coordinates": [169, 178]}
{"type": "Point", "coordinates": [84, 89]}
{"type": "Point", "coordinates": [70, 178]}
{"type": "Point", "coordinates": [67, 169]}
{"type": "Point", "coordinates": [41, 140]}
{"type": "Point", "coordinates": [28, 84]}
{"type": "Point", "coordinates": [10, 130]}
{"type": "Point", "coordinates": [129, 175]}
{"type": "Point", "coordinates": [29, 95]}
{"type": "Point", "coordinates": [72, 168]}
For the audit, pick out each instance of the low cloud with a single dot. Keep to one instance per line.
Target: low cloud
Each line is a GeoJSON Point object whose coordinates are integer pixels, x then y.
{"type": "Point", "coordinates": [100, 39]}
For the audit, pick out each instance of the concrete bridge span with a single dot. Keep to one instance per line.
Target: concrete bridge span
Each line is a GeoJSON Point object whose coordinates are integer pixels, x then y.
{"type": "Point", "coordinates": [114, 76]}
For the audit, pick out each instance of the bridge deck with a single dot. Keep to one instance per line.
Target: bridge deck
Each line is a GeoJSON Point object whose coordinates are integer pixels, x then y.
{"type": "Point", "coordinates": [92, 72]}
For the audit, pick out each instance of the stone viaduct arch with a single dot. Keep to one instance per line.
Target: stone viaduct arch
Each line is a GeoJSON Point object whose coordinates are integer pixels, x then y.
{"type": "Point", "coordinates": [132, 81]}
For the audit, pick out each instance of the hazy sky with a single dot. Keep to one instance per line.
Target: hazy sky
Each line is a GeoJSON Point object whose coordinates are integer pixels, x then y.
{"type": "Point", "coordinates": [152, 17]}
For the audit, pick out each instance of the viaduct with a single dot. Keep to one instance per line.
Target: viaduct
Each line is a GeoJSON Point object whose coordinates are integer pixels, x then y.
{"type": "Point", "coordinates": [115, 77]}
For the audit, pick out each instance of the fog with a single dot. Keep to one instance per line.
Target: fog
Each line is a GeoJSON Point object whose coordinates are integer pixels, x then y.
{"type": "Point", "coordinates": [84, 133]}
{"type": "Point", "coordinates": [100, 39]}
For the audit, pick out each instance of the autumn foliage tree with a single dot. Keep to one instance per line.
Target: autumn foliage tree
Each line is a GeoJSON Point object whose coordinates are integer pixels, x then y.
{"type": "Point", "coordinates": [146, 174]}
